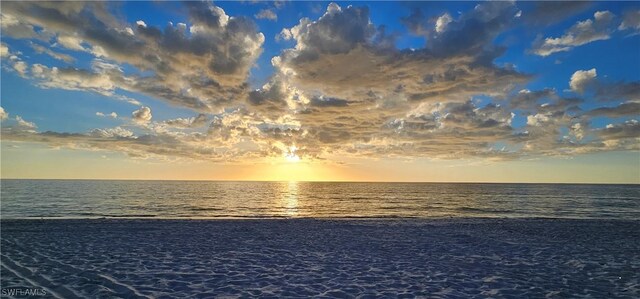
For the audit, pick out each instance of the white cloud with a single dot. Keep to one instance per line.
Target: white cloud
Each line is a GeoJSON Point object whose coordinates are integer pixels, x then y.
{"type": "Point", "coordinates": [583, 32]}
{"type": "Point", "coordinates": [442, 22]}
{"type": "Point", "coordinates": [267, 14]}
{"type": "Point", "coordinates": [25, 125]}
{"type": "Point", "coordinates": [112, 115]}
{"type": "Point", "coordinates": [112, 132]}
{"type": "Point", "coordinates": [142, 115]}
{"type": "Point", "coordinates": [71, 42]}
{"type": "Point", "coordinates": [581, 79]}
{"type": "Point", "coordinates": [4, 50]}
{"type": "Point", "coordinates": [3, 115]}
{"type": "Point", "coordinates": [21, 68]}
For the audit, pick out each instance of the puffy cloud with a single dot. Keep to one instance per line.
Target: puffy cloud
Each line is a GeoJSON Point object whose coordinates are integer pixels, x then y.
{"type": "Point", "coordinates": [73, 79]}
{"type": "Point", "coordinates": [142, 115]}
{"type": "Point", "coordinates": [3, 115]}
{"type": "Point", "coordinates": [21, 68]}
{"type": "Point", "coordinates": [337, 31]}
{"type": "Point", "coordinates": [342, 89]}
{"type": "Point", "coordinates": [112, 132]}
{"type": "Point", "coordinates": [4, 50]}
{"type": "Point", "coordinates": [442, 22]}
{"type": "Point", "coordinates": [337, 56]}
{"type": "Point", "coordinates": [623, 136]}
{"type": "Point", "coordinates": [585, 80]}
{"type": "Point", "coordinates": [267, 14]}
{"type": "Point", "coordinates": [474, 31]}
{"type": "Point", "coordinates": [583, 32]}
{"type": "Point", "coordinates": [16, 28]}
{"type": "Point", "coordinates": [350, 93]}
{"type": "Point", "coordinates": [202, 67]}
{"type": "Point", "coordinates": [537, 119]}
{"type": "Point", "coordinates": [581, 79]}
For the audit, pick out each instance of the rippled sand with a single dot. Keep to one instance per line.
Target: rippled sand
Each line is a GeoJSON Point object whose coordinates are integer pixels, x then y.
{"type": "Point", "coordinates": [460, 258]}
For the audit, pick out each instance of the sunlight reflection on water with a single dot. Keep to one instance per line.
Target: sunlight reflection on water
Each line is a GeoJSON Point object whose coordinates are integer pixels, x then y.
{"type": "Point", "coordinates": [199, 199]}
{"type": "Point", "coordinates": [290, 198]}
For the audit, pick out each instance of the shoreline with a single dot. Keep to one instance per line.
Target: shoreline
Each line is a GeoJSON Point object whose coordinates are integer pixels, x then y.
{"type": "Point", "coordinates": [310, 218]}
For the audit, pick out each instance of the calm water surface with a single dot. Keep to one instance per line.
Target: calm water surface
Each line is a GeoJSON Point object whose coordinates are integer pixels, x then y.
{"type": "Point", "coordinates": [199, 199]}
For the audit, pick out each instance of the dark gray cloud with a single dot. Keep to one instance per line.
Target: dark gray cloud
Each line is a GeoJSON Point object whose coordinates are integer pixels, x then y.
{"type": "Point", "coordinates": [199, 120]}
{"type": "Point", "coordinates": [622, 110]}
{"type": "Point", "coordinates": [473, 32]}
{"type": "Point", "coordinates": [631, 21]}
{"type": "Point", "coordinates": [544, 13]}
{"type": "Point", "coordinates": [587, 81]}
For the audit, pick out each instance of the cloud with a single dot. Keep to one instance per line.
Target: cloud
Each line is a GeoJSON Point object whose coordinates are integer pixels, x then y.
{"type": "Point", "coordinates": [546, 13]}
{"type": "Point", "coordinates": [112, 132]}
{"type": "Point", "coordinates": [202, 66]}
{"type": "Point", "coordinates": [3, 115]}
{"type": "Point", "coordinates": [580, 79]}
{"type": "Point", "coordinates": [352, 94]}
{"type": "Point", "coordinates": [21, 68]}
{"type": "Point", "coordinates": [59, 56]}
{"type": "Point", "coordinates": [25, 125]}
{"type": "Point", "coordinates": [191, 122]}
{"type": "Point", "coordinates": [583, 32]}
{"type": "Point", "coordinates": [622, 110]}
{"type": "Point", "coordinates": [527, 100]}
{"type": "Point", "coordinates": [474, 31]}
{"type": "Point", "coordinates": [416, 22]}
{"type": "Point", "coordinates": [4, 50]}
{"type": "Point", "coordinates": [112, 115]}
{"type": "Point", "coordinates": [623, 136]}
{"type": "Point", "coordinates": [338, 57]}
{"type": "Point", "coordinates": [585, 81]}
{"type": "Point", "coordinates": [442, 22]}
{"type": "Point", "coordinates": [142, 115]}
{"type": "Point", "coordinates": [267, 14]}
{"type": "Point", "coordinates": [342, 89]}
{"type": "Point", "coordinates": [630, 21]}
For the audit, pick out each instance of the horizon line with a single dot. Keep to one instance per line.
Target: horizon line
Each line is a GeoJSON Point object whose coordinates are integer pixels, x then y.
{"type": "Point", "coordinates": [324, 181]}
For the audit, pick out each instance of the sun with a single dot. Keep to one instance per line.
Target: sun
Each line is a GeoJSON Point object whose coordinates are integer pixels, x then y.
{"type": "Point", "coordinates": [291, 156]}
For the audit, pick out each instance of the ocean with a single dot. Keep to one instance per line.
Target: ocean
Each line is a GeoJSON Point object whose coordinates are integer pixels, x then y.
{"type": "Point", "coordinates": [223, 199]}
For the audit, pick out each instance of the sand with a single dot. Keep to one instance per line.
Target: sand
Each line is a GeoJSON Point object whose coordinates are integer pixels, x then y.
{"type": "Point", "coordinates": [446, 258]}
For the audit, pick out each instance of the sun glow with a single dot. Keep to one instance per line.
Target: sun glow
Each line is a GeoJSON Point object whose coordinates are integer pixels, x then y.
{"type": "Point", "coordinates": [291, 156]}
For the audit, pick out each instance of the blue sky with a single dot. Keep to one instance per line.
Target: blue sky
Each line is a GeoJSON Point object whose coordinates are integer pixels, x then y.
{"type": "Point", "coordinates": [253, 82]}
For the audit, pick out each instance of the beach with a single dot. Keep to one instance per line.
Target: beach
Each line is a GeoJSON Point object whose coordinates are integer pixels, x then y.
{"type": "Point", "coordinates": [363, 258]}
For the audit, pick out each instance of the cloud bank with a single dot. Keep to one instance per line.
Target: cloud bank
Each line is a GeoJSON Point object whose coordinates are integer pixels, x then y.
{"type": "Point", "coordinates": [344, 87]}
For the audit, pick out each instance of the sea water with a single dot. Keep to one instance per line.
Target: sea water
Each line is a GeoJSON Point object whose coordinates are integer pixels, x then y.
{"type": "Point", "coordinates": [225, 199]}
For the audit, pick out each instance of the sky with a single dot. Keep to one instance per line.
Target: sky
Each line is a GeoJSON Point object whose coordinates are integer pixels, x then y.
{"type": "Point", "coordinates": [322, 91]}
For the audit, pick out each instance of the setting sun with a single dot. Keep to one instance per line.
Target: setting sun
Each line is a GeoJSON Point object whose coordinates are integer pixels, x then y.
{"type": "Point", "coordinates": [291, 156]}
